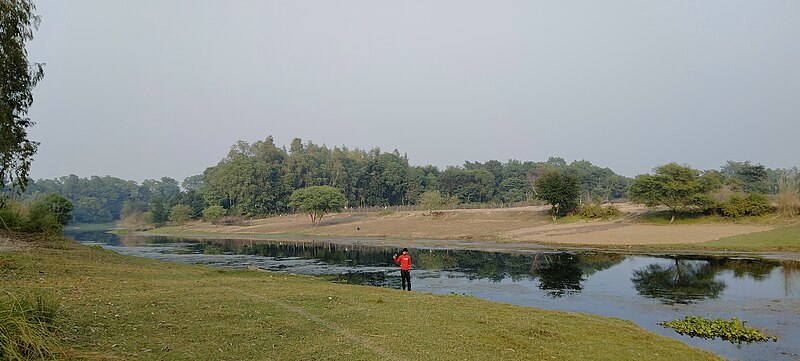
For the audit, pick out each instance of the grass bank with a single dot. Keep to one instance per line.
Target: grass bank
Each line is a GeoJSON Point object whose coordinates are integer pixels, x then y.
{"type": "Point", "coordinates": [117, 307]}
{"type": "Point", "coordinates": [785, 239]}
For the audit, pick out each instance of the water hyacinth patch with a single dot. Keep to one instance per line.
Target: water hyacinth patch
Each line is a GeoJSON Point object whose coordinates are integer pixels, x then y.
{"type": "Point", "coordinates": [732, 330]}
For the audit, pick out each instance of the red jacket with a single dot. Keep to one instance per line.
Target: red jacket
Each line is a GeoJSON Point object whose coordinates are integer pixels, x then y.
{"type": "Point", "coordinates": [404, 261]}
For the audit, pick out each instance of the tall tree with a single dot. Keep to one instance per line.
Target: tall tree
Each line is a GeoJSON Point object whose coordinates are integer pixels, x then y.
{"type": "Point", "coordinates": [17, 79]}
{"type": "Point", "coordinates": [561, 190]}
{"type": "Point", "coordinates": [678, 187]}
{"type": "Point", "coordinates": [747, 177]}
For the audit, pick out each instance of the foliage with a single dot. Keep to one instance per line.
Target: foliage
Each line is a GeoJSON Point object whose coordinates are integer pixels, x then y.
{"type": "Point", "coordinates": [214, 213]}
{"type": "Point", "coordinates": [13, 215]}
{"type": "Point", "coordinates": [754, 204]}
{"type": "Point", "coordinates": [732, 330]}
{"type": "Point", "coordinates": [747, 177]}
{"type": "Point", "coordinates": [594, 210]}
{"type": "Point", "coordinates": [157, 213]}
{"type": "Point", "coordinates": [105, 199]}
{"type": "Point", "coordinates": [50, 212]}
{"type": "Point", "coordinates": [560, 190]}
{"type": "Point", "coordinates": [675, 186]}
{"type": "Point", "coordinates": [180, 213]}
{"type": "Point", "coordinates": [17, 80]}
{"type": "Point", "coordinates": [27, 324]}
{"type": "Point", "coordinates": [433, 199]}
{"type": "Point", "coordinates": [317, 201]}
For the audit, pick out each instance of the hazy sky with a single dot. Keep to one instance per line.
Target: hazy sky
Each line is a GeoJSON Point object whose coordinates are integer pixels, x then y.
{"type": "Point", "coordinates": [145, 89]}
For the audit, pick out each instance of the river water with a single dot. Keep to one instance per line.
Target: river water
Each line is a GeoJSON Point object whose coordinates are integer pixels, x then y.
{"type": "Point", "coordinates": [646, 289]}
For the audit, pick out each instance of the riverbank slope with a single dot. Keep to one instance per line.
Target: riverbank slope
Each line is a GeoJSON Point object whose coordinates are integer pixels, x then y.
{"type": "Point", "coordinates": [117, 307]}
{"type": "Point", "coordinates": [521, 225]}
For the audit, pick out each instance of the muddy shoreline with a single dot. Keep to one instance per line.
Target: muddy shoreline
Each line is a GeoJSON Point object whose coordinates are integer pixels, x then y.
{"type": "Point", "coordinates": [481, 245]}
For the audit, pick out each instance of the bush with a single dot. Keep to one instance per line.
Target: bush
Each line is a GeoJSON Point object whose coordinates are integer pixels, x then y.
{"type": "Point", "coordinates": [432, 200]}
{"type": "Point", "coordinates": [13, 215]}
{"type": "Point", "coordinates": [755, 204]}
{"type": "Point", "coordinates": [27, 325]}
{"type": "Point", "coordinates": [214, 213]}
{"type": "Point", "coordinates": [180, 213]}
{"type": "Point", "coordinates": [594, 210]}
{"type": "Point", "coordinates": [49, 214]}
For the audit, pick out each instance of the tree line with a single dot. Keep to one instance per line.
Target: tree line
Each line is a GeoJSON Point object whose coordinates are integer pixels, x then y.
{"type": "Point", "coordinates": [258, 179]}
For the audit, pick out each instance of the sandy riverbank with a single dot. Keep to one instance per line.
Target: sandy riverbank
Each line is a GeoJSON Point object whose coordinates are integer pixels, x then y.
{"type": "Point", "coordinates": [521, 225]}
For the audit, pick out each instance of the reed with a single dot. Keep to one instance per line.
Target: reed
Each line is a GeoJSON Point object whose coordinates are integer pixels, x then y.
{"type": "Point", "coordinates": [27, 327]}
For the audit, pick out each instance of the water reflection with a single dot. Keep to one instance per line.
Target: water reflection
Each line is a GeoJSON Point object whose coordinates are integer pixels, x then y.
{"type": "Point", "coordinates": [558, 274]}
{"type": "Point", "coordinates": [684, 281]}
{"type": "Point", "coordinates": [675, 280]}
{"type": "Point", "coordinates": [671, 280]}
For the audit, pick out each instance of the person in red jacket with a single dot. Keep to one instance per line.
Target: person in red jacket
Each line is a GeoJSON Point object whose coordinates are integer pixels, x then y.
{"type": "Point", "coordinates": [404, 260]}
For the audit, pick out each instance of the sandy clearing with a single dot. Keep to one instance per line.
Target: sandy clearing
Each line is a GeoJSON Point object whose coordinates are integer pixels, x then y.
{"type": "Point", "coordinates": [521, 224]}
{"type": "Point", "coordinates": [639, 234]}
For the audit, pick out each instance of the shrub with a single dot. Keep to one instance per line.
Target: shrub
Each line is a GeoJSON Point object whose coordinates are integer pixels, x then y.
{"type": "Point", "coordinates": [180, 213]}
{"type": "Point", "coordinates": [214, 213]}
{"type": "Point", "coordinates": [27, 325]}
{"type": "Point", "coordinates": [755, 204]}
{"type": "Point", "coordinates": [594, 210]}
{"type": "Point", "coordinates": [55, 205]}
{"type": "Point", "coordinates": [13, 215]}
{"type": "Point", "coordinates": [134, 221]}
{"type": "Point", "coordinates": [48, 213]}
{"type": "Point", "coordinates": [432, 200]}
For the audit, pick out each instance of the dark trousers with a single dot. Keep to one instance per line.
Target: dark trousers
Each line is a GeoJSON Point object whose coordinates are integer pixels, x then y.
{"type": "Point", "coordinates": [405, 275]}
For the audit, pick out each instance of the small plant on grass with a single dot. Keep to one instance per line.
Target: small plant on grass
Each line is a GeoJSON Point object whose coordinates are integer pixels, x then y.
{"type": "Point", "coordinates": [732, 330]}
{"type": "Point", "coordinates": [27, 327]}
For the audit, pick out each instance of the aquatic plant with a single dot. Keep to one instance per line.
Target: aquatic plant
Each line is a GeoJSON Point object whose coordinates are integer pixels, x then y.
{"type": "Point", "coordinates": [733, 330]}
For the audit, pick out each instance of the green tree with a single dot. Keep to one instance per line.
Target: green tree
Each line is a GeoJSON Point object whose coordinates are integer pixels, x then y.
{"type": "Point", "coordinates": [180, 213]}
{"type": "Point", "coordinates": [513, 190]}
{"type": "Point", "coordinates": [157, 212]}
{"type": "Point", "coordinates": [678, 187]}
{"type": "Point", "coordinates": [50, 212]}
{"type": "Point", "coordinates": [214, 213]}
{"type": "Point", "coordinates": [317, 200]}
{"type": "Point", "coordinates": [747, 177]}
{"type": "Point", "coordinates": [560, 189]}
{"type": "Point", "coordinates": [17, 79]}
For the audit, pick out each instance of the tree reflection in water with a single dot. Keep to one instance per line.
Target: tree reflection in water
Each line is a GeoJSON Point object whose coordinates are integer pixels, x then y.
{"type": "Point", "coordinates": [558, 274]}
{"type": "Point", "coordinates": [683, 282]}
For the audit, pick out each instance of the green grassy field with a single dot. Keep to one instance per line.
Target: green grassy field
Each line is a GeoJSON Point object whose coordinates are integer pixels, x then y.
{"type": "Point", "coordinates": [786, 239]}
{"type": "Point", "coordinates": [117, 307]}
{"type": "Point", "coordinates": [663, 217]}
